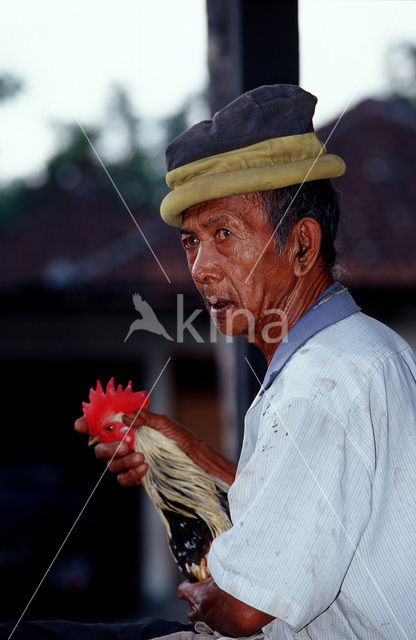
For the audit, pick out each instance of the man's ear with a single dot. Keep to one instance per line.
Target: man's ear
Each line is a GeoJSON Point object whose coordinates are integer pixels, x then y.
{"type": "Point", "coordinates": [307, 236]}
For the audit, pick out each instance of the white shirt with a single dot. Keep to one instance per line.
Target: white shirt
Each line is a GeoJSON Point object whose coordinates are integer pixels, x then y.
{"type": "Point", "coordinates": [324, 502]}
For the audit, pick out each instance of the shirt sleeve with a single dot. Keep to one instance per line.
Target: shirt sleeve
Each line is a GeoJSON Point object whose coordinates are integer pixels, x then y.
{"type": "Point", "coordinates": [299, 508]}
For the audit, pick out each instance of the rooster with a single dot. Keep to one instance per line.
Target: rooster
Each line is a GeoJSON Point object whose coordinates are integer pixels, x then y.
{"type": "Point", "coordinates": [191, 503]}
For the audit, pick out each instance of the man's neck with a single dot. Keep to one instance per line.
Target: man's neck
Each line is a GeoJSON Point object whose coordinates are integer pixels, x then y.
{"type": "Point", "coordinates": [297, 302]}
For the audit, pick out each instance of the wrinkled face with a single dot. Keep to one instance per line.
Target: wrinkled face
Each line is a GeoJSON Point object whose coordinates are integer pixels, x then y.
{"type": "Point", "coordinates": [223, 240]}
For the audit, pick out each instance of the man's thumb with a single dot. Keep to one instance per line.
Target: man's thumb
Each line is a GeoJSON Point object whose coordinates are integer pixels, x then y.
{"type": "Point", "coordinates": [157, 421]}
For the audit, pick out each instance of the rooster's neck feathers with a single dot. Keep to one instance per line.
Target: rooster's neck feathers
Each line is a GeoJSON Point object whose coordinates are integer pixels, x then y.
{"type": "Point", "coordinates": [175, 483]}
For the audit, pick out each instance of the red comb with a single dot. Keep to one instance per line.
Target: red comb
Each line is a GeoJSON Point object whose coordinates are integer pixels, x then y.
{"type": "Point", "coordinates": [104, 407]}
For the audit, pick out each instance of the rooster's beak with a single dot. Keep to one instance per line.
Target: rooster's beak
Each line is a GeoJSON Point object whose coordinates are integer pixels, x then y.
{"type": "Point", "coordinates": [93, 440]}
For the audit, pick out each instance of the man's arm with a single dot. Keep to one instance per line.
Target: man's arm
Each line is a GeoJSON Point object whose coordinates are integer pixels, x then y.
{"type": "Point", "coordinates": [131, 467]}
{"type": "Point", "coordinates": [300, 507]}
{"type": "Point", "coordinates": [221, 611]}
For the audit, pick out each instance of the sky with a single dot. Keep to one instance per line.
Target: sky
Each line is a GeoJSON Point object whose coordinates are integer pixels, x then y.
{"type": "Point", "coordinates": [347, 47]}
{"type": "Point", "coordinates": [70, 54]}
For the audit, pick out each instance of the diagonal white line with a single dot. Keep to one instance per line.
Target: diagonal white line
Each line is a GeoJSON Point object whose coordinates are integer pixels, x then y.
{"type": "Point", "coordinates": [284, 215]}
{"type": "Point", "coordinates": [299, 188]}
{"type": "Point", "coordinates": [82, 510]}
{"type": "Point", "coordinates": [306, 176]}
{"type": "Point", "coordinates": [121, 198]}
{"type": "Point", "coordinates": [315, 479]}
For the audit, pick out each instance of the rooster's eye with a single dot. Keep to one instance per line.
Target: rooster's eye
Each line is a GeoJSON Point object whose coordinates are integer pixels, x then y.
{"type": "Point", "coordinates": [110, 427]}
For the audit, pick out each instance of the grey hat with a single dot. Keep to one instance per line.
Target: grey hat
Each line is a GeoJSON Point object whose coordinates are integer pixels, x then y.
{"type": "Point", "coordinates": [262, 140]}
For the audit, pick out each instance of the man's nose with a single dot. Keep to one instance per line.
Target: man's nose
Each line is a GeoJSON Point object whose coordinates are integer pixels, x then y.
{"type": "Point", "coordinates": [205, 268]}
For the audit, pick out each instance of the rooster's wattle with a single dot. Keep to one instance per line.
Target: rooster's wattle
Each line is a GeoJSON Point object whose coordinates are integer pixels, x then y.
{"type": "Point", "coordinates": [191, 503]}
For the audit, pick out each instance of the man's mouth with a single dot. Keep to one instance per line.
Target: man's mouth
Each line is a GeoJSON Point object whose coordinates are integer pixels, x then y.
{"type": "Point", "coordinates": [218, 307]}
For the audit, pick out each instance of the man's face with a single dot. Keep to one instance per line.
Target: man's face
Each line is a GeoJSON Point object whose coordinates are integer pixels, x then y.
{"type": "Point", "coordinates": [223, 240]}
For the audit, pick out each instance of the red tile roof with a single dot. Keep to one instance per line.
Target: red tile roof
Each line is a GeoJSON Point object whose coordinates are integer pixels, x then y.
{"type": "Point", "coordinates": [67, 239]}
{"type": "Point", "coordinates": [377, 239]}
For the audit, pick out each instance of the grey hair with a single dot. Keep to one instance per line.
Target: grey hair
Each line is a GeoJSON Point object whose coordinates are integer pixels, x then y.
{"type": "Point", "coordinates": [316, 199]}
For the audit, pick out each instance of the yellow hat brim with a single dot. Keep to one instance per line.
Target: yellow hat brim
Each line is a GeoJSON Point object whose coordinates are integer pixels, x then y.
{"type": "Point", "coordinates": [271, 164]}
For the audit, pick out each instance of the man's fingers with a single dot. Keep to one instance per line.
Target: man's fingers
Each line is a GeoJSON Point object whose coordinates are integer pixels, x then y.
{"type": "Point", "coordinates": [188, 591]}
{"type": "Point", "coordinates": [125, 463]}
{"type": "Point", "coordinates": [129, 466]}
{"type": "Point", "coordinates": [80, 425]}
{"type": "Point", "coordinates": [184, 590]}
{"type": "Point", "coordinates": [132, 477]}
{"type": "Point", "coordinates": [106, 450]}
{"type": "Point", "coordinates": [159, 422]}
{"type": "Point", "coordinates": [142, 417]}
{"type": "Point", "coordinates": [193, 613]}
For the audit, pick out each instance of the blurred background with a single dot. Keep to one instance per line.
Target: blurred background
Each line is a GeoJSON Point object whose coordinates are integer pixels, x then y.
{"type": "Point", "coordinates": [124, 78]}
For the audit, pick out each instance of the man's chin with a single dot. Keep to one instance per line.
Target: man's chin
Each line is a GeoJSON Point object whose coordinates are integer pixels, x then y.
{"type": "Point", "coordinates": [228, 325]}
{"type": "Point", "coordinates": [225, 328]}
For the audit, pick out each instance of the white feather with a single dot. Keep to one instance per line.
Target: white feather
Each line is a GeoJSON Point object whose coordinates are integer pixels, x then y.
{"type": "Point", "coordinates": [173, 475]}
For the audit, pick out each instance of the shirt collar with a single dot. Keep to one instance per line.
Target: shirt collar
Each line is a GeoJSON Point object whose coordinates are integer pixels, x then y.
{"type": "Point", "coordinates": [334, 304]}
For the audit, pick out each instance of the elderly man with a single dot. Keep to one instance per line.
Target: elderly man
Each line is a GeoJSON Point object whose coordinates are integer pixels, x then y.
{"type": "Point", "coordinates": [322, 502]}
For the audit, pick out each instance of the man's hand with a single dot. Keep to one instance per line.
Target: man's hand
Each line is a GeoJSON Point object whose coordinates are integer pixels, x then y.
{"type": "Point", "coordinates": [197, 595]}
{"type": "Point", "coordinates": [131, 467]}
{"type": "Point", "coordinates": [184, 438]}
{"type": "Point", "coordinates": [221, 611]}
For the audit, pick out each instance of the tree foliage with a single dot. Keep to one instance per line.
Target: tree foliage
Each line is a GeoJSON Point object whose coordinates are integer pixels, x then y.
{"type": "Point", "coordinates": [76, 168]}
{"type": "Point", "coordinates": [10, 86]}
{"type": "Point", "coordinates": [401, 71]}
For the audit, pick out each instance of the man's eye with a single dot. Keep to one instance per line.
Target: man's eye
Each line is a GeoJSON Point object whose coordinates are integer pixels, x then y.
{"type": "Point", "coordinates": [223, 234]}
{"type": "Point", "coordinates": [189, 242]}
